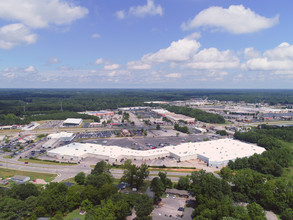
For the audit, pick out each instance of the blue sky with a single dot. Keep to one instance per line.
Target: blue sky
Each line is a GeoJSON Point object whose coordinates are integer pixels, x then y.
{"type": "Point", "coordinates": [146, 44]}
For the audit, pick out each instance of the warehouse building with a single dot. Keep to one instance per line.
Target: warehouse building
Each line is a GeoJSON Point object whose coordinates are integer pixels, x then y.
{"type": "Point", "coordinates": [72, 122]}
{"type": "Point", "coordinates": [54, 139]}
{"type": "Point", "coordinates": [215, 153]}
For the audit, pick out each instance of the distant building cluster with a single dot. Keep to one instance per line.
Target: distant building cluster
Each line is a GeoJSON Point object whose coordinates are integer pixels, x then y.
{"type": "Point", "coordinates": [173, 117]}
{"type": "Point", "coordinates": [98, 113]}
{"type": "Point", "coordinates": [215, 153]}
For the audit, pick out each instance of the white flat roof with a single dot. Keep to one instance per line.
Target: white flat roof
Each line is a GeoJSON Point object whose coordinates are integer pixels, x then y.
{"type": "Point", "coordinates": [216, 150]}
{"type": "Point", "coordinates": [73, 121]}
{"type": "Point", "coordinates": [60, 135]}
{"type": "Point", "coordinates": [80, 149]}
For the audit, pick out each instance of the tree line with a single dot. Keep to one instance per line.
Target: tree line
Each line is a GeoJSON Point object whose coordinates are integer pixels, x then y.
{"type": "Point", "coordinates": [277, 157]}
{"type": "Point", "coordinates": [197, 114]}
{"type": "Point", "coordinates": [11, 119]}
{"type": "Point", "coordinates": [94, 193]}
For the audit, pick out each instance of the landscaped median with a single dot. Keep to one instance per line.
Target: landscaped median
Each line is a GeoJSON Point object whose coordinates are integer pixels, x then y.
{"type": "Point", "coordinates": [7, 173]}
{"type": "Point", "coordinates": [47, 162]}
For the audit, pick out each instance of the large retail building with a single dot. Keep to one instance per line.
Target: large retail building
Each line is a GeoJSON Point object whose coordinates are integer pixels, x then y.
{"type": "Point", "coordinates": [215, 153]}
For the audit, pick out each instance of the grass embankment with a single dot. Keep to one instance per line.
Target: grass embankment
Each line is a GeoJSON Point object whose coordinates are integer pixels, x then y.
{"type": "Point", "coordinates": [184, 170]}
{"type": "Point", "coordinates": [74, 214]}
{"type": "Point", "coordinates": [47, 162]}
{"type": "Point", "coordinates": [70, 180]}
{"type": "Point", "coordinates": [6, 173]}
{"type": "Point", "coordinates": [288, 172]}
{"type": "Point", "coordinates": [161, 169]}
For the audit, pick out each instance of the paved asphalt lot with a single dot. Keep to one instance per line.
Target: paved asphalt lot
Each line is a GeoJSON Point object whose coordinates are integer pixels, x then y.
{"type": "Point", "coordinates": [169, 208]}
{"type": "Point", "coordinates": [146, 143]}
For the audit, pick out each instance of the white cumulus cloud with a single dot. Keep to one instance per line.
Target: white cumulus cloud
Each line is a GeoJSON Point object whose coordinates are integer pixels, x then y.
{"type": "Point", "coordinates": [120, 14]}
{"type": "Point", "coordinates": [212, 58]}
{"type": "Point", "coordinates": [41, 13]}
{"type": "Point", "coordinates": [30, 69]}
{"type": "Point", "coordinates": [250, 53]}
{"type": "Point", "coordinates": [111, 67]}
{"type": "Point", "coordinates": [142, 10]}
{"type": "Point", "coordinates": [33, 14]}
{"type": "Point", "coordinates": [14, 34]}
{"type": "Point", "coordinates": [138, 65]}
{"type": "Point", "coordinates": [279, 60]}
{"type": "Point", "coordinates": [99, 61]}
{"type": "Point", "coordinates": [236, 19]}
{"type": "Point", "coordinates": [173, 75]}
{"type": "Point", "coordinates": [149, 9]}
{"type": "Point", "coordinates": [53, 60]}
{"type": "Point", "coordinates": [180, 50]}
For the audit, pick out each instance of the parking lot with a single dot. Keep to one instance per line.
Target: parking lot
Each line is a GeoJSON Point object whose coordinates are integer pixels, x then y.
{"type": "Point", "coordinates": [168, 208]}
{"type": "Point", "coordinates": [140, 143]}
{"type": "Point", "coordinates": [50, 124]}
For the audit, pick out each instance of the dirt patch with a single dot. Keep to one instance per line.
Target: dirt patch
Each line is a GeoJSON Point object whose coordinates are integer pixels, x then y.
{"type": "Point", "coordinates": [39, 181]}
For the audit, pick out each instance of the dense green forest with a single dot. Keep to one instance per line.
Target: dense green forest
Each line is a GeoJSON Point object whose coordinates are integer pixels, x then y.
{"type": "Point", "coordinates": [47, 100]}
{"type": "Point", "coordinates": [260, 178]}
{"type": "Point", "coordinates": [28, 104]}
{"type": "Point", "coordinates": [197, 114]}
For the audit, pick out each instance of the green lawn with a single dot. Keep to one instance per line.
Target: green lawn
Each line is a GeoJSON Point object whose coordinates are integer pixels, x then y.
{"type": "Point", "coordinates": [70, 180]}
{"type": "Point", "coordinates": [5, 173]}
{"type": "Point", "coordinates": [46, 162]}
{"type": "Point", "coordinates": [74, 214]}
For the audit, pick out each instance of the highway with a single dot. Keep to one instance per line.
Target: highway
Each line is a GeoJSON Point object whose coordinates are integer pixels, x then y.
{"type": "Point", "coordinates": [65, 172]}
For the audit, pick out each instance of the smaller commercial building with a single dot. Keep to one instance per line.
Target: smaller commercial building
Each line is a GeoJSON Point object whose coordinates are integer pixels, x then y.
{"type": "Point", "coordinates": [72, 122]}
{"type": "Point", "coordinates": [200, 130]}
{"type": "Point", "coordinates": [98, 113]}
{"type": "Point", "coordinates": [96, 124]}
{"type": "Point", "coordinates": [20, 179]}
{"type": "Point", "coordinates": [63, 136]}
{"type": "Point", "coordinates": [177, 192]}
{"type": "Point", "coordinates": [134, 108]}
{"type": "Point", "coordinates": [54, 139]}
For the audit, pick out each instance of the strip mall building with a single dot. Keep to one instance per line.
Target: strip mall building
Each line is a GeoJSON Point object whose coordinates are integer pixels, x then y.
{"type": "Point", "coordinates": [215, 153]}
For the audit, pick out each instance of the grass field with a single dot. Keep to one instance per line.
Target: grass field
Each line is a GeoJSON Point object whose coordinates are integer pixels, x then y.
{"type": "Point", "coordinates": [70, 180]}
{"type": "Point", "coordinates": [288, 172]}
{"type": "Point", "coordinates": [5, 173]}
{"type": "Point", "coordinates": [173, 170]}
{"type": "Point", "coordinates": [74, 214]}
{"type": "Point", "coordinates": [46, 162]}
